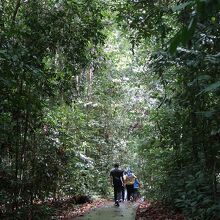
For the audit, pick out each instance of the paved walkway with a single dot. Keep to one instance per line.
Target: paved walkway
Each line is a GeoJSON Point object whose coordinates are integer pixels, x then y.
{"type": "Point", "coordinates": [126, 211]}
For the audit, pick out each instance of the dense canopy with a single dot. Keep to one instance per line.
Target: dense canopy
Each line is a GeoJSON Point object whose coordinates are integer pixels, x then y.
{"type": "Point", "coordinates": [85, 84]}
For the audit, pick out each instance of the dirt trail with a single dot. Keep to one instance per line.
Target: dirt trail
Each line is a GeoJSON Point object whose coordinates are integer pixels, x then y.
{"type": "Point", "coordinates": [126, 211]}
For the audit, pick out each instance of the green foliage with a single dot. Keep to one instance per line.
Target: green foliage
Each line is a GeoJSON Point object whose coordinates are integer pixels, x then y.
{"type": "Point", "coordinates": [195, 197]}
{"type": "Point", "coordinates": [179, 138]}
{"type": "Point", "coordinates": [44, 46]}
{"type": "Point", "coordinates": [77, 96]}
{"type": "Point", "coordinates": [37, 212]}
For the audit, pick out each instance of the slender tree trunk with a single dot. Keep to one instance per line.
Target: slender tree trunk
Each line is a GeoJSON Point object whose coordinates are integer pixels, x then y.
{"type": "Point", "coordinates": [90, 80]}
{"type": "Point", "coordinates": [18, 142]}
{"type": "Point", "coordinates": [17, 6]}
{"type": "Point", "coordinates": [214, 183]}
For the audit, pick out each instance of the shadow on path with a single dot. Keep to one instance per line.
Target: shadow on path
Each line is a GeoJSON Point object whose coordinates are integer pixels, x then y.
{"type": "Point", "coordinates": [126, 211]}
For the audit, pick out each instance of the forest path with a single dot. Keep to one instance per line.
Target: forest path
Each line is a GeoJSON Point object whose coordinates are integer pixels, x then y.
{"type": "Point", "coordinates": [126, 211]}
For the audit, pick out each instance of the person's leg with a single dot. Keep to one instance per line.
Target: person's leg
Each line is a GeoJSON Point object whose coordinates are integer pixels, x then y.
{"type": "Point", "coordinates": [138, 194]}
{"type": "Point", "coordinates": [132, 191]}
{"type": "Point", "coordinates": [126, 194]}
{"type": "Point", "coordinates": [123, 193]}
{"type": "Point", "coordinates": [135, 194]}
{"type": "Point", "coordinates": [129, 192]}
{"type": "Point", "coordinates": [118, 194]}
{"type": "Point", "coordinates": [115, 194]}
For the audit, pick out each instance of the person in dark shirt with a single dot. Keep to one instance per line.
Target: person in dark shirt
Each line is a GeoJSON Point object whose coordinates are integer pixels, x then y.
{"type": "Point", "coordinates": [117, 181]}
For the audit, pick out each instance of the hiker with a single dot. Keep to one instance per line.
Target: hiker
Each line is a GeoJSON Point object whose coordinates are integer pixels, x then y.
{"type": "Point", "coordinates": [129, 182]}
{"type": "Point", "coordinates": [116, 176]}
{"type": "Point", "coordinates": [123, 191]}
{"type": "Point", "coordinates": [136, 189]}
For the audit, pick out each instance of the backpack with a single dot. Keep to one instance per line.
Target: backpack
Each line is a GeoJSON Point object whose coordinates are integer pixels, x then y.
{"type": "Point", "coordinates": [130, 178]}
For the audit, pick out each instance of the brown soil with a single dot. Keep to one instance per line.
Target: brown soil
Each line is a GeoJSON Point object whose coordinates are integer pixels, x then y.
{"type": "Point", "coordinates": [70, 210]}
{"type": "Point", "coordinates": [156, 211]}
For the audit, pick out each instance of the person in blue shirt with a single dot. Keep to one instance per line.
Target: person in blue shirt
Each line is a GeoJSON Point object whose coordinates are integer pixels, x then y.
{"type": "Point", "coordinates": [136, 189]}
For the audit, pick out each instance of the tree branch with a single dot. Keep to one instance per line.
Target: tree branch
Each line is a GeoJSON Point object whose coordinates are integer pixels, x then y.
{"type": "Point", "coordinates": [18, 4]}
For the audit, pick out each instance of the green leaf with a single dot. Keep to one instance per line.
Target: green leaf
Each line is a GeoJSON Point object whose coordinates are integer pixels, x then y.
{"type": "Point", "coordinates": [182, 6]}
{"type": "Point", "coordinates": [198, 79]}
{"type": "Point", "coordinates": [175, 42]}
{"type": "Point", "coordinates": [194, 203]}
{"type": "Point", "coordinates": [211, 88]}
{"type": "Point", "coordinates": [183, 36]}
{"type": "Point", "coordinates": [188, 32]}
{"type": "Point", "coordinates": [206, 114]}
